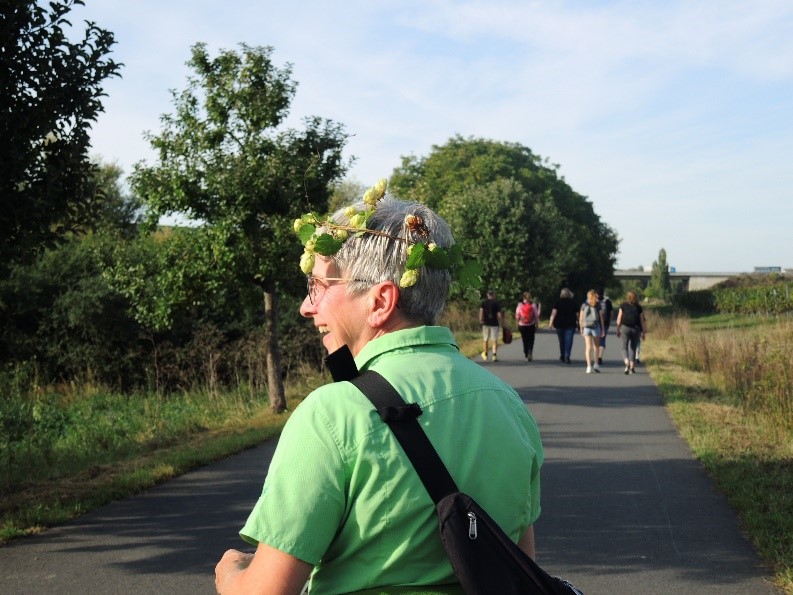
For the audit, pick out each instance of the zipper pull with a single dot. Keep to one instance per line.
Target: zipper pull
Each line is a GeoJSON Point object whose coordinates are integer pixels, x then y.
{"type": "Point", "coordinates": [472, 526]}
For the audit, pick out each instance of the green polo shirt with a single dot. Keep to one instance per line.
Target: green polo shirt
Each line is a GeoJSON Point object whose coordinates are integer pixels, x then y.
{"type": "Point", "coordinates": [340, 494]}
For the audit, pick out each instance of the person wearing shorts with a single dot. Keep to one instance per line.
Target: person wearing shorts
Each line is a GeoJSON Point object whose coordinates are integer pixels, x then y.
{"type": "Point", "coordinates": [490, 317]}
{"type": "Point", "coordinates": [592, 329]}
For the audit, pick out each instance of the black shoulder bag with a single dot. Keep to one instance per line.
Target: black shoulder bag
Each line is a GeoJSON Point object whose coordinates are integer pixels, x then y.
{"type": "Point", "coordinates": [483, 557]}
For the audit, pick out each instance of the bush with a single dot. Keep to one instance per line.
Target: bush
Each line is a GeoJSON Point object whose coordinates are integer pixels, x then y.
{"type": "Point", "coordinates": [702, 301]}
{"type": "Point", "coordinates": [739, 298]}
{"type": "Point", "coordinates": [765, 299]}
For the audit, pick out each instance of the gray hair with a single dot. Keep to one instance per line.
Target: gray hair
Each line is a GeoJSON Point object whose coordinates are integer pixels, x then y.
{"type": "Point", "coordinates": [566, 293]}
{"type": "Point", "coordinates": [372, 258]}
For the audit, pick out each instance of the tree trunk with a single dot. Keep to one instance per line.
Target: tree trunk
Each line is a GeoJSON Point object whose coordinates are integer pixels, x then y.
{"type": "Point", "coordinates": [275, 385]}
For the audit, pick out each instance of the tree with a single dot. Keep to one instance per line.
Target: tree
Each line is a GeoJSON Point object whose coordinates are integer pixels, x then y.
{"type": "Point", "coordinates": [345, 193]}
{"type": "Point", "coordinates": [224, 161]}
{"type": "Point", "coordinates": [660, 285]}
{"type": "Point", "coordinates": [59, 311]}
{"type": "Point", "coordinates": [116, 210]}
{"type": "Point", "coordinates": [529, 228]}
{"type": "Point", "coordinates": [486, 219]}
{"type": "Point", "coordinates": [52, 90]}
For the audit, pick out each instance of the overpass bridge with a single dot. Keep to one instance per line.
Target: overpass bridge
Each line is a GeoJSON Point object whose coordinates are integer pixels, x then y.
{"type": "Point", "coordinates": [688, 281]}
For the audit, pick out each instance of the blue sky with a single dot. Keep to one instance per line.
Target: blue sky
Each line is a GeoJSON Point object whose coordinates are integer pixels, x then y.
{"type": "Point", "coordinates": [675, 118]}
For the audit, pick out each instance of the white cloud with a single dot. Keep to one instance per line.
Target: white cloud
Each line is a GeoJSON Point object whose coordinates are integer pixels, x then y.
{"type": "Point", "coordinates": [672, 117]}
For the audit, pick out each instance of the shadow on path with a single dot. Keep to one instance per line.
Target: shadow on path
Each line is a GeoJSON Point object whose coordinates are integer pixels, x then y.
{"type": "Point", "coordinates": [626, 508]}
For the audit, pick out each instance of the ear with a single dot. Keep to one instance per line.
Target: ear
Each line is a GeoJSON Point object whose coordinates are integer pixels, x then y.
{"type": "Point", "coordinates": [383, 299]}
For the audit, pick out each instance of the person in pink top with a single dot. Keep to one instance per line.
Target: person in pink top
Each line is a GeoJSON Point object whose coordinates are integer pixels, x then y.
{"type": "Point", "coordinates": [527, 316]}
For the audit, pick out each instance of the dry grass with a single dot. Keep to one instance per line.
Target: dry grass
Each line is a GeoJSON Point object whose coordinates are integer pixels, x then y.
{"type": "Point", "coordinates": [727, 387]}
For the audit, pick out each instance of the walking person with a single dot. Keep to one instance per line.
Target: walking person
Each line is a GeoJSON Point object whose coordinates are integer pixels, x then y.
{"type": "Point", "coordinates": [527, 317]}
{"type": "Point", "coordinates": [631, 328]}
{"type": "Point", "coordinates": [491, 319]}
{"type": "Point", "coordinates": [608, 309]}
{"type": "Point", "coordinates": [342, 506]}
{"type": "Point", "coordinates": [564, 319]}
{"type": "Point", "coordinates": [591, 323]}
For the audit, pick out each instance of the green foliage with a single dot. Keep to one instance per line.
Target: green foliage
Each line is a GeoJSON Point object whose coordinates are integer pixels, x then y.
{"type": "Point", "coordinates": [59, 313]}
{"type": "Point", "coordinates": [69, 318]}
{"type": "Point", "coordinates": [118, 211]}
{"type": "Point", "coordinates": [176, 274]}
{"type": "Point", "coordinates": [326, 244]}
{"type": "Point", "coordinates": [660, 286]}
{"type": "Point", "coordinates": [52, 90]}
{"type": "Point", "coordinates": [755, 300]}
{"type": "Point", "coordinates": [345, 193]}
{"type": "Point", "coordinates": [49, 435]}
{"type": "Point", "coordinates": [222, 159]}
{"type": "Point", "coordinates": [508, 208]}
{"type": "Point", "coordinates": [702, 301]}
{"type": "Point", "coordinates": [741, 296]}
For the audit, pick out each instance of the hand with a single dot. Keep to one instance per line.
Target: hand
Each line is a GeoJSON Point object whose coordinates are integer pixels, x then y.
{"type": "Point", "coordinates": [232, 562]}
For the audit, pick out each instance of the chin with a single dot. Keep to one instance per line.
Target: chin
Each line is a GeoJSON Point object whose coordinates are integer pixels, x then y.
{"type": "Point", "coordinates": [330, 342]}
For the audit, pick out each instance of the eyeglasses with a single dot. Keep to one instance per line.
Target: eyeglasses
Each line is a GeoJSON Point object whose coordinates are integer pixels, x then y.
{"type": "Point", "coordinates": [317, 290]}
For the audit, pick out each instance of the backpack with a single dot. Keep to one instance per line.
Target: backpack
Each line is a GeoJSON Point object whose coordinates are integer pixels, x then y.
{"type": "Point", "coordinates": [527, 311]}
{"type": "Point", "coordinates": [484, 559]}
{"type": "Point", "coordinates": [630, 315]}
{"type": "Point", "coordinates": [591, 316]}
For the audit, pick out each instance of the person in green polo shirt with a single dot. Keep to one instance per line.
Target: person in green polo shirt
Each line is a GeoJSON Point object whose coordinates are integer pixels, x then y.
{"type": "Point", "coordinates": [342, 506]}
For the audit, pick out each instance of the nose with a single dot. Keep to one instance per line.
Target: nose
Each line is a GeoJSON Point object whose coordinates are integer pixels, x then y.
{"type": "Point", "coordinates": [307, 309]}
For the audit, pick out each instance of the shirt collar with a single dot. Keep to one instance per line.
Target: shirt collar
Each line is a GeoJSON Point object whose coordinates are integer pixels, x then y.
{"type": "Point", "coordinates": [404, 339]}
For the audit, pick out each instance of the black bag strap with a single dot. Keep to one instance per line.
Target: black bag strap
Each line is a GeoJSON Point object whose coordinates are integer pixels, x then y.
{"type": "Point", "coordinates": [402, 418]}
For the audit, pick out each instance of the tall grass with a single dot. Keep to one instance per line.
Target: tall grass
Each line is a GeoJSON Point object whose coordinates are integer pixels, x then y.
{"type": "Point", "coordinates": [752, 366]}
{"type": "Point", "coordinates": [460, 317]}
{"type": "Point", "coordinates": [66, 449]}
{"type": "Point", "coordinates": [726, 381]}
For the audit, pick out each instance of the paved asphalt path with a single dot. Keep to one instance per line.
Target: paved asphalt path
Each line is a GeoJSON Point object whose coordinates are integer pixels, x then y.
{"type": "Point", "coordinates": [626, 508]}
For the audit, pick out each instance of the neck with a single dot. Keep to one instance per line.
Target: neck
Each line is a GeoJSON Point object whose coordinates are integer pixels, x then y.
{"type": "Point", "coordinates": [395, 323]}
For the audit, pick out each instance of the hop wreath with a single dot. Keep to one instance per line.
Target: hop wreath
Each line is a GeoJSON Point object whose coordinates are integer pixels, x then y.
{"type": "Point", "coordinates": [325, 237]}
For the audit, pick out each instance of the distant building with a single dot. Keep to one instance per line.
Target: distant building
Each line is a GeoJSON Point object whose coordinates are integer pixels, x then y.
{"type": "Point", "coordinates": [767, 269]}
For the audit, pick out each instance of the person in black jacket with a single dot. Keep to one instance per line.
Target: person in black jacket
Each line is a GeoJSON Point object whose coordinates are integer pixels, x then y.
{"type": "Point", "coordinates": [564, 319]}
{"type": "Point", "coordinates": [607, 308]}
{"type": "Point", "coordinates": [631, 327]}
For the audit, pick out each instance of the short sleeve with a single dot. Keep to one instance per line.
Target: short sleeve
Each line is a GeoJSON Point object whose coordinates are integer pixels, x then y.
{"type": "Point", "coordinates": [303, 499]}
{"type": "Point", "coordinates": [539, 456]}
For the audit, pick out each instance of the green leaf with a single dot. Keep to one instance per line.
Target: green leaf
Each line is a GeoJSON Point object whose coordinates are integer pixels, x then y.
{"type": "Point", "coordinates": [437, 259]}
{"type": "Point", "coordinates": [417, 257]}
{"type": "Point", "coordinates": [470, 274]}
{"type": "Point", "coordinates": [456, 255]}
{"type": "Point", "coordinates": [327, 245]}
{"type": "Point", "coordinates": [305, 232]}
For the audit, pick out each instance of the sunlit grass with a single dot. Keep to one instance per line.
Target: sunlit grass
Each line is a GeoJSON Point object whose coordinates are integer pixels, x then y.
{"type": "Point", "coordinates": [132, 443]}
{"type": "Point", "coordinates": [745, 443]}
{"type": "Point", "coordinates": [139, 441]}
